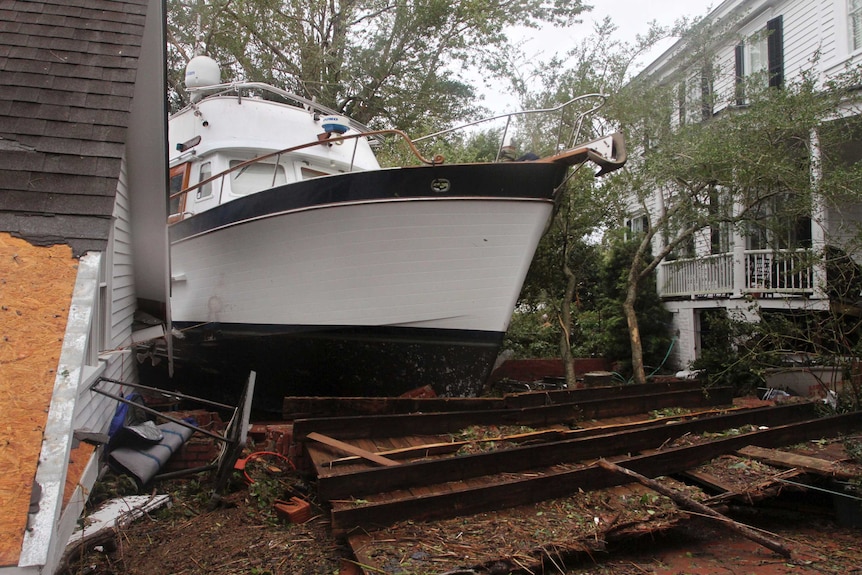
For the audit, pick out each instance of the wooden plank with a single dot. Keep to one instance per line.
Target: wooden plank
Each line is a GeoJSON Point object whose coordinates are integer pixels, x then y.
{"type": "Point", "coordinates": [788, 460]}
{"type": "Point", "coordinates": [552, 484]}
{"type": "Point", "coordinates": [566, 413]}
{"type": "Point", "coordinates": [305, 407]}
{"type": "Point", "coordinates": [707, 480]}
{"type": "Point", "coordinates": [442, 448]}
{"type": "Point", "coordinates": [416, 473]}
{"type": "Point", "coordinates": [353, 450]}
{"type": "Point", "coordinates": [537, 398]}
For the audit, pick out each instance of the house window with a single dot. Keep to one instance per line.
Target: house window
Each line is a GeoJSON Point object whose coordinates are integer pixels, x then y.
{"type": "Point", "coordinates": [720, 230]}
{"type": "Point", "coordinates": [638, 224]}
{"type": "Point", "coordinates": [854, 18]}
{"type": "Point", "coordinates": [694, 98]}
{"type": "Point", "coordinates": [762, 54]}
{"type": "Point", "coordinates": [756, 56]}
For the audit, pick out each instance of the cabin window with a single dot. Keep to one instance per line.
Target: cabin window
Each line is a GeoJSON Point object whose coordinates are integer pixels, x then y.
{"type": "Point", "coordinates": [206, 190]}
{"type": "Point", "coordinates": [179, 180]}
{"type": "Point", "coordinates": [854, 17]}
{"type": "Point", "coordinates": [308, 173]}
{"type": "Point", "coordinates": [255, 177]}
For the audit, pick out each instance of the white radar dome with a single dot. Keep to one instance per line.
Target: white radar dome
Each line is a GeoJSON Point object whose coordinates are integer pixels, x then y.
{"type": "Point", "coordinates": [202, 71]}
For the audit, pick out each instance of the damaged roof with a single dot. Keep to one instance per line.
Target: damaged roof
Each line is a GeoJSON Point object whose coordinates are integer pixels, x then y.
{"type": "Point", "coordinates": [67, 78]}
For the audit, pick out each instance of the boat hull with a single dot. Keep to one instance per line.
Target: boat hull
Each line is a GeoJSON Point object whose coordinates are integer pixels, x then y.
{"type": "Point", "coordinates": [367, 283]}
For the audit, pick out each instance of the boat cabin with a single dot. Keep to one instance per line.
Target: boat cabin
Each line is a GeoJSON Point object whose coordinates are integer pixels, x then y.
{"type": "Point", "coordinates": [236, 142]}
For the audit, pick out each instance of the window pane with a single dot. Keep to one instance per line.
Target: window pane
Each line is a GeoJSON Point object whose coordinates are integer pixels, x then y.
{"type": "Point", "coordinates": [758, 57]}
{"type": "Point", "coordinates": [856, 29]}
{"type": "Point", "coordinates": [206, 172]}
{"type": "Point", "coordinates": [255, 177]}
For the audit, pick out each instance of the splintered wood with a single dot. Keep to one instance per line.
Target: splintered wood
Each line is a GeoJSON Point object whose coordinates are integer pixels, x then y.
{"type": "Point", "coordinates": [36, 285]}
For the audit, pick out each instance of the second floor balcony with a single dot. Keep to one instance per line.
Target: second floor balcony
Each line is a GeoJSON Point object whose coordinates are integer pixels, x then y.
{"type": "Point", "coordinates": [757, 273]}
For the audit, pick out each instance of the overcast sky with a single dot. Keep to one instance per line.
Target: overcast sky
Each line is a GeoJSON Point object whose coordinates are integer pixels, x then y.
{"type": "Point", "coordinates": [632, 17]}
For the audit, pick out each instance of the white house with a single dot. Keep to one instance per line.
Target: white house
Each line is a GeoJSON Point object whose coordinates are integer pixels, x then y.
{"type": "Point", "coordinates": [83, 246]}
{"type": "Point", "coordinates": [730, 270]}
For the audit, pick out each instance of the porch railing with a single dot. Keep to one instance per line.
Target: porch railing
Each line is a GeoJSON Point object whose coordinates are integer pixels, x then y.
{"type": "Point", "coordinates": [764, 273]}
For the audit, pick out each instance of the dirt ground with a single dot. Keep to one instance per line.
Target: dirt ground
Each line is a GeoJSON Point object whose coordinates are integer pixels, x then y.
{"type": "Point", "coordinates": [241, 534]}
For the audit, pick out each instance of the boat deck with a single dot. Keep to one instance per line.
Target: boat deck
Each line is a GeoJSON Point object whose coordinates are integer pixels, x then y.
{"type": "Point", "coordinates": [36, 285]}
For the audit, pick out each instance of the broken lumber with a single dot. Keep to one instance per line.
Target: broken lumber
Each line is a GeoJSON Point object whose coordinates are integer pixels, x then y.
{"type": "Point", "coordinates": [446, 447]}
{"type": "Point", "coordinates": [784, 459]}
{"type": "Point", "coordinates": [352, 449]}
{"type": "Point", "coordinates": [692, 505]}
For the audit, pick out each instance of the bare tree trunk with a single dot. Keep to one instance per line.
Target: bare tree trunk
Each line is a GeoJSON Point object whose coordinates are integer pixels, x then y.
{"type": "Point", "coordinates": [566, 324]}
{"type": "Point", "coordinates": [639, 373]}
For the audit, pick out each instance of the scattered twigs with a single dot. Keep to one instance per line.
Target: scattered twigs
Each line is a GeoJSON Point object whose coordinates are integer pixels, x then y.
{"type": "Point", "coordinates": [688, 503]}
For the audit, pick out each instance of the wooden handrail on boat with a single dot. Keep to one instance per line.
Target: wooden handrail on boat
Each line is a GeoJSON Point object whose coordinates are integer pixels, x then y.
{"type": "Point", "coordinates": [612, 158]}
{"type": "Point", "coordinates": [436, 160]}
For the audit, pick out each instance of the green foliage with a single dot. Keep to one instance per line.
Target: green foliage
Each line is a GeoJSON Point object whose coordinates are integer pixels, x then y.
{"type": "Point", "coordinates": [724, 356]}
{"type": "Point", "coordinates": [609, 336]}
{"type": "Point", "coordinates": [533, 333]}
{"type": "Point", "coordinates": [397, 64]}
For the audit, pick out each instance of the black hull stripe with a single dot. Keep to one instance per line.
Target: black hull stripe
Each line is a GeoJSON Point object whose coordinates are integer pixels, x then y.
{"type": "Point", "coordinates": [513, 180]}
{"type": "Point", "coordinates": [232, 331]}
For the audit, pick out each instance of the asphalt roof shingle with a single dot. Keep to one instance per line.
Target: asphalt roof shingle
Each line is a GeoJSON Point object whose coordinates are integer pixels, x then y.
{"type": "Point", "coordinates": [67, 74]}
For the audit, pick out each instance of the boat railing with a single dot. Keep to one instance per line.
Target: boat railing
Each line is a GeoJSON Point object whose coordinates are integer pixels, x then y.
{"type": "Point", "coordinates": [363, 132]}
{"type": "Point", "coordinates": [327, 140]}
{"type": "Point", "coordinates": [570, 141]}
{"type": "Point", "coordinates": [306, 103]}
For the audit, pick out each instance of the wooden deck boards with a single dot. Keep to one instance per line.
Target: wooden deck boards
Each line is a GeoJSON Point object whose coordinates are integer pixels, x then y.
{"type": "Point", "coordinates": [36, 285]}
{"type": "Point", "coordinates": [441, 485]}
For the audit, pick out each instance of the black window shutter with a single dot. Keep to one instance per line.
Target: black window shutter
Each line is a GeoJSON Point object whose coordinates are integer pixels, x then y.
{"type": "Point", "coordinates": [740, 75]}
{"type": "Point", "coordinates": [775, 50]}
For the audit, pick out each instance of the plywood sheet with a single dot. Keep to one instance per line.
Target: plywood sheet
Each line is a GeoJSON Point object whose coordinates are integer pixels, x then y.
{"type": "Point", "coordinates": [36, 285]}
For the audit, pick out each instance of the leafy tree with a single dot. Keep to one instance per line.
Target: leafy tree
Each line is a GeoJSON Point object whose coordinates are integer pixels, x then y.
{"type": "Point", "coordinates": [386, 64]}
{"type": "Point", "coordinates": [563, 278]}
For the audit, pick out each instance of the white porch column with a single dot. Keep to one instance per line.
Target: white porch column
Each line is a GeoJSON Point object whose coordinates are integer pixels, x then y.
{"type": "Point", "coordinates": [818, 220]}
{"type": "Point", "coordinates": [661, 274]}
{"type": "Point", "coordinates": [738, 255]}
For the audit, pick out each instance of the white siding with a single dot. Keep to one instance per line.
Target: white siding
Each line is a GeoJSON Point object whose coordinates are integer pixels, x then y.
{"type": "Point", "coordinates": [802, 35]}
{"type": "Point", "coordinates": [115, 313]}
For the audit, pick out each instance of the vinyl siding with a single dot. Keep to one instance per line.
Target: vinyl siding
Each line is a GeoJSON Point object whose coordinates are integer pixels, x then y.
{"type": "Point", "coordinates": [116, 314]}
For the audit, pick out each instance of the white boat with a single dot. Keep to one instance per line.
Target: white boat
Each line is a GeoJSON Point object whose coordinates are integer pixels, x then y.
{"type": "Point", "coordinates": [295, 254]}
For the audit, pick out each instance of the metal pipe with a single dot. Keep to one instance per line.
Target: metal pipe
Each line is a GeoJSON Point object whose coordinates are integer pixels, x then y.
{"type": "Point", "coordinates": [152, 411]}
{"type": "Point", "coordinates": [165, 392]}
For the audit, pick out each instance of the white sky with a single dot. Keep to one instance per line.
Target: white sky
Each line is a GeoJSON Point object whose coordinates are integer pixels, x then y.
{"type": "Point", "coordinates": [632, 17]}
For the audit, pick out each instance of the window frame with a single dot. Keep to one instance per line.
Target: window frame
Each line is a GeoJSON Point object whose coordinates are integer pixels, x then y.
{"type": "Point", "coordinates": [854, 23]}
